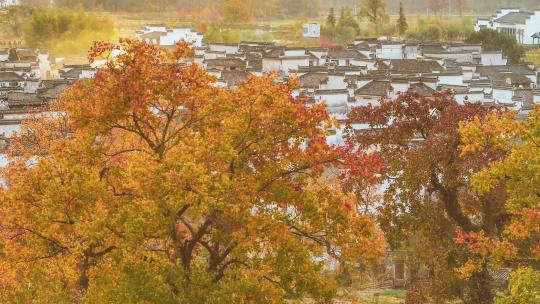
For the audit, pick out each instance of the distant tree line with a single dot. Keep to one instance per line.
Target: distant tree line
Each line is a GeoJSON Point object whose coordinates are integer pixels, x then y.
{"type": "Point", "coordinates": [482, 7]}
{"type": "Point", "coordinates": [259, 8]}
{"type": "Point", "coordinates": [59, 31]}
{"type": "Point", "coordinates": [286, 8]}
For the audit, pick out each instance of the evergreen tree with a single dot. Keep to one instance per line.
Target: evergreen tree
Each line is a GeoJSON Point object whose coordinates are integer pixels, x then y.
{"type": "Point", "coordinates": [331, 19]}
{"type": "Point", "coordinates": [494, 41]}
{"type": "Point", "coordinates": [347, 27]}
{"type": "Point", "coordinates": [375, 12]}
{"type": "Point", "coordinates": [402, 21]}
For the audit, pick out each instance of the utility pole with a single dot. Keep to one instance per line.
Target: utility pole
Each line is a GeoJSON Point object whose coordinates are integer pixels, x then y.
{"type": "Point", "coordinates": [449, 7]}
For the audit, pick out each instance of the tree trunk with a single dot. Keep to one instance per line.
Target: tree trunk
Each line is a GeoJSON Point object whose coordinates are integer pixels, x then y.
{"type": "Point", "coordinates": [480, 287]}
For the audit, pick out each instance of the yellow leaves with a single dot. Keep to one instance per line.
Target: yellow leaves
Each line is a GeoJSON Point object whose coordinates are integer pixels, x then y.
{"type": "Point", "coordinates": [486, 180]}
{"type": "Point", "coordinates": [153, 172]}
{"type": "Point", "coordinates": [492, 132]}
{"type": "Point", "coordinates": [504, 251]}
{"type": "Point", "coordinates": [469, 268]}
{"type": "Point", "coordinates": [518, 171]}
{"type": "Point", "coordinates": [517, 231]}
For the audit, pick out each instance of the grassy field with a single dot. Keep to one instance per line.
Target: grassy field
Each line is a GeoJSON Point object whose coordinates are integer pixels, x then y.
{"type": "Point", "coordinates": [387, 296]}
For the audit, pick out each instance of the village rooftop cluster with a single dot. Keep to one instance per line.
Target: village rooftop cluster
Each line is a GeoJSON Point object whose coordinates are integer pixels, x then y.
{"type": "Point", "coordinates": [365, 72]}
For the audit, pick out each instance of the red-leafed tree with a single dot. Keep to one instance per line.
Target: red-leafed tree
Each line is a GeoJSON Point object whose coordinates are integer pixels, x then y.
{"type": "Point", "coordinates": [428, 192]}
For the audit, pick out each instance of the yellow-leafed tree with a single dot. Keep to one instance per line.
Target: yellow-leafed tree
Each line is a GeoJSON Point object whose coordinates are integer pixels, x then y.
{"type": "Point", "coordinates": [150, 184]}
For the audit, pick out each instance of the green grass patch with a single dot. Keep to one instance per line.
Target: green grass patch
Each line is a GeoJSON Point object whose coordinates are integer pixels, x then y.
{"type": "Point", "coordinates": [386, 296]}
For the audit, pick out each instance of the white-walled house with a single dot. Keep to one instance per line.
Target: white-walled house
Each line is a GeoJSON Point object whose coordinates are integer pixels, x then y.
{"type": "Point", "coordinates": [523, 25]}
{"type": "Point", "coordinates": [366, 72]}
{"type": "Point", "coordinates": [285, 59]}
{"type": "Point", "coordinates": [311, 30]}
{"type": "Point", "coordinates": [4, 55]}
{"type": "Point", "coordinates": [159, 34]}
{"type": "Point", "coordinates": [8, 127]}
{"type": "Point", "coordinates": [336, 100]}
{"type": "Point", "coordinates": [492, 58]}
{"type": "Point", "coordinates": [178, 34]}
{"type": "Point", "coordinates": [391, 50]}
{"type": "Point", "coordinates": [372, 93]}
{"type": "Point", "coordinates": [8, 3]}
{"type": "Point", "coordinates": [11, 79]}
{"type": "Point", "coordinates": [153, 28]}
{"type": "Point", "coordinates": [225, 48]}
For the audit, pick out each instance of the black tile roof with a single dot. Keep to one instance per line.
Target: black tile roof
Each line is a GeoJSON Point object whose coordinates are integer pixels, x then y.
{"type": "Point", "coordinates": [374, 88]}
{"type": "Point", "coordinates": [514, 17]}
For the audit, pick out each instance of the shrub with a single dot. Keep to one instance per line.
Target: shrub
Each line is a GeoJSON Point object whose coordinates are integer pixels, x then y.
{"type": "Point", "coordinates": [435, 29]}
{"type": "Point", "coordinates": [66, 32]}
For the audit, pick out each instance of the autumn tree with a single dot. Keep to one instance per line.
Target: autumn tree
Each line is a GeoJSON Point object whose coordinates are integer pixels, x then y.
{"type": "Point", "coordinates": [402, 20]}
{"type": "Point", "coordinates": [429, 195]}
{"type": "Point", "coordinates": [236, 11]}
{"type": "Point", "coordinates": [374, 11]}
{"type": "Point", "coordinates": [523, 288]}
{"type": "Point", "coordinates": [148, 183]}
{"type": "Point", "coordinates": [520, 171]}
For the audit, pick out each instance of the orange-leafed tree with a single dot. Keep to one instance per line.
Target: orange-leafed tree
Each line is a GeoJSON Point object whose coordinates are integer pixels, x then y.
{"type": "Point", "coordinates": [148, 183]}
{"type": "Point", "coordinates": [520, 170]}
{"type": "Point", "coordinates": [237, 11]}
{"type": "Point", "coordinates": [428, 192]}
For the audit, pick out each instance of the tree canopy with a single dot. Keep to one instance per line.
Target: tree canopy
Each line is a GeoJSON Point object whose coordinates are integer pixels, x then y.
{"type": "Point", "coordinates": [429, 197]}
{"type": "Point", "coordinates": [64, 31]}
{"type": "Point", "coordinates": [402, 20]}
{"type": "Point", "coordinates": [374, 11]}
{"type": "Point", "coordinates": [150, 184]}
{"type": "Point", "coordinates": [494, 41]}
{"type": "Point", "coordinates": [236, 11]}
{"type": "Point", "coordinates": [519, 248]}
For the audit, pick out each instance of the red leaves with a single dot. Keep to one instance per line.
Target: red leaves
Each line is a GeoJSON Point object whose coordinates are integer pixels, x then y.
{"type": "Point", "coordinates": [476, 243]}
{"type": "Point", "coordinates": [428, 190]}
{"type": "Point", "coordinates": [359, 164]}
{"type": "Point", "coordinates": [98, 49]}
{"type": "Point", "coordinates": [431, 122]}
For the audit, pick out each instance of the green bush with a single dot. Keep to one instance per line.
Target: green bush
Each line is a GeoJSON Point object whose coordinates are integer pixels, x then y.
{"type": "Point", "coordinates": [229, 35]}
{"type": "Point", "coordinates": [439, 29]}
{"type": "Point", "coordinates": [66, 32]}
{"type": "Point", "coordinates": [495, 41]}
